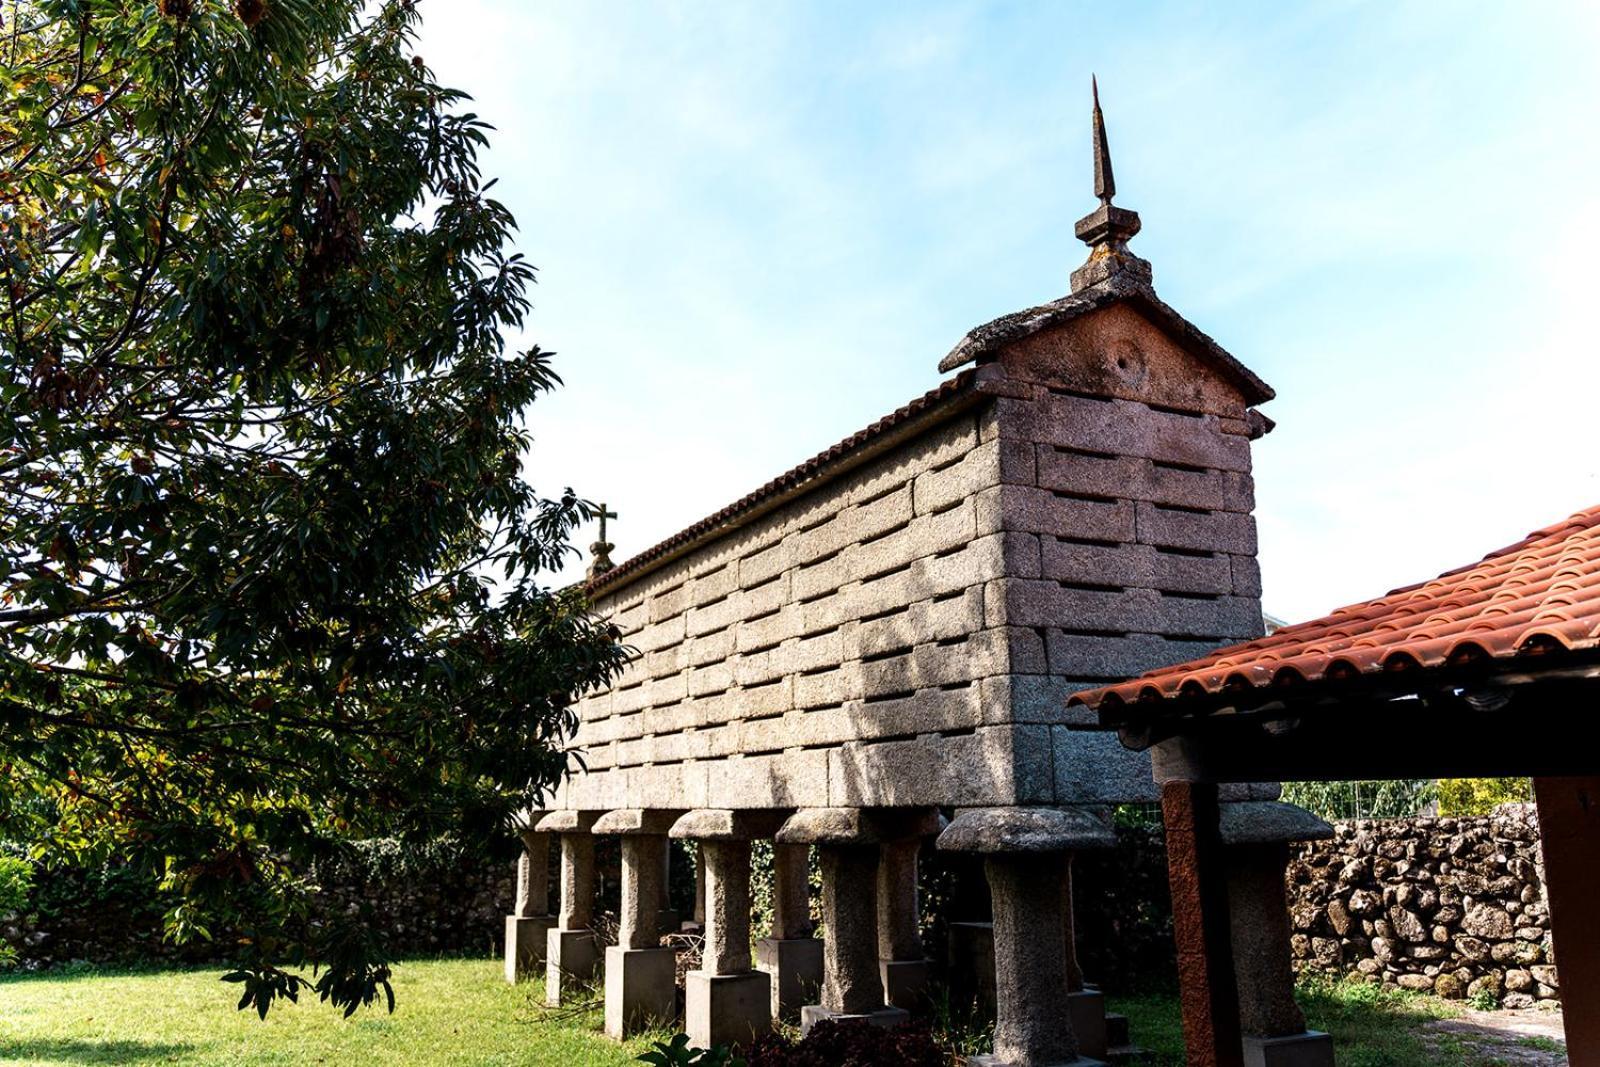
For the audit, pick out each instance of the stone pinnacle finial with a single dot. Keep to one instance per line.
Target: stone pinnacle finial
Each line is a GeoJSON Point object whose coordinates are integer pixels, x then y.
{"type": "Point", "coordinates": [1105, 182]}
{"type": "Point", "coordinates": [1108, 228]}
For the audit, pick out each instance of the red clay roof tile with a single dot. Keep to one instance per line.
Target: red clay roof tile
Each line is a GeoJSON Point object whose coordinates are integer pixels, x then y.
{"type": "Point", "coordinates": [1542, 590]}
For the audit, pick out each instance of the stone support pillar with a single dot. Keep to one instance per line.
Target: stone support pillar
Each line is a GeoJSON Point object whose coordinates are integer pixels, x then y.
{"type": "Point", "coordinates": [790, 954]}
{"type": "Point", "coordinates": [571, 951]}
{"type": "Point", "coordinates": [902, 964]}
{"type": "Point", "coordinates": [1024, 851]}
{"type": "Point", "coordinates": [848, 844]}
{"type": "Point", "coordinates": [641, 976]}
{"type": "Point", "coordinates": [1256, 837]}
{"type": "Point", "coordinates": [528, 925]}
{"type": "Point", "coordinates": [726, 1001]}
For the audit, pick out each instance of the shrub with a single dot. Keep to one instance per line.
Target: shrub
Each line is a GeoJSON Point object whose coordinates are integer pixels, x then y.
{"type": "Point", "coordinates": [1480, 796]}
{"type": "Point", "coordinates": [16, 878]}
{"type": "Point", "coordinates": [851, 1044]}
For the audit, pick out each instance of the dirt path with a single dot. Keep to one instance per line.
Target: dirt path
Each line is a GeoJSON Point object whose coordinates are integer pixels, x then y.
{"type": "Point", "coordinates": [1527, 1038]}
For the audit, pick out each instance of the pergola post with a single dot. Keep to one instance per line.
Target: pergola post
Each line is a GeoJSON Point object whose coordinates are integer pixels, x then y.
{"type": "Point", "coordinates": [1197, 875]}
{"type": "Point", "coordinates": [1569, 828]}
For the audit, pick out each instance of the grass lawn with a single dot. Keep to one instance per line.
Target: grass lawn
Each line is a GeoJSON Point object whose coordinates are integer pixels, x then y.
{"type": "Point", "coordinates": [462, 1012]}
{"type": "Point", "coordinates": [447, 1012]}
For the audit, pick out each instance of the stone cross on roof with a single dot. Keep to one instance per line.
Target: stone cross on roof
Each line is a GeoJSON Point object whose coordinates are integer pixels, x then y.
{"type": "Point", "coordinates": [1108, 228]}
{"type": "Point", "coordinates": [600, 551]}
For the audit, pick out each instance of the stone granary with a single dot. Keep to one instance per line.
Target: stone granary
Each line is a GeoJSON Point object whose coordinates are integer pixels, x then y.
{"type": "Point", "coordinates": [877, 647]}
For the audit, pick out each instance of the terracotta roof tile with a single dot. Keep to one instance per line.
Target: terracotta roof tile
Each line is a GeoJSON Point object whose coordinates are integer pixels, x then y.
{"type": "Point", "coordinates": [1542, 591]}
{"type": "Point", "coordinates": [819, 464]}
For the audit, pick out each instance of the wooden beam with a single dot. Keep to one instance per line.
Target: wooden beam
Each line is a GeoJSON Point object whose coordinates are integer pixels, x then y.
{"type": "Point", "coordinates": [1569, 826]}
{"type": "Point", "coordinates": [1195, 870]}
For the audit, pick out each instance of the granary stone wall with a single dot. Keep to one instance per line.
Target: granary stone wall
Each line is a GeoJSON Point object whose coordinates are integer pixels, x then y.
{"type": "Point", "coordinates": [1449, 906]}
{"type": "Point", "coordinates": [904, 628]}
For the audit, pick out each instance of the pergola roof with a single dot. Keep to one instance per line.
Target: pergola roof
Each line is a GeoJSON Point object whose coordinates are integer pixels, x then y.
{"type": "Point", "coordinates": [1539, 595]}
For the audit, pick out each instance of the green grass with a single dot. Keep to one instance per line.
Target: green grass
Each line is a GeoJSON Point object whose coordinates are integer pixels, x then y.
{"type": "Point", "coordinates": [448, 1012]}
{"type": "Point", "coordinates": [463, 1012]}
{"type": "Point", "coordinates": [1371, 1027]}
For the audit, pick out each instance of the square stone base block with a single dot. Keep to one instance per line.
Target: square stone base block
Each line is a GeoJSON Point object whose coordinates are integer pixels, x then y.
{"type": "Point", "coordinates": [570, 960]}
{"type": "Point", "coordinates": [1087, 1009]}
{"type": "Point", "coordinates": [812, 1014]}
{"type": "Point", "coordinates": [1310, 1049]}
{"type": "Point", "coordinates": [726, 1009]}
{"type": "Point", "coordinates": [641, 989]}
{"type": "Point", "coordinates": [905, 984]}
{"type": "Point", "coordinates": [796, 968]}
{"type": "Point", "coordinates": [525, 945]}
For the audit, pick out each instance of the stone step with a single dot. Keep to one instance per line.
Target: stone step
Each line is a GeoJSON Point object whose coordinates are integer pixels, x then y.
{"type": "Point", "coordinates": [1116, 1029]}
{"type": "Point", "coordinates": [1125, 1055]}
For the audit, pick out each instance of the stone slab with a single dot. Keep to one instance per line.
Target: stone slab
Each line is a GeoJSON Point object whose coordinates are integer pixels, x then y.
{"type": "Point", "coordinates": [857, 826]}
{"type": "Point", "coordinates": [796, 968]}
{"type": "Point", "coordinates": [726, 1009]}
{"type": "Point", "coordinates": [1310, 1049]}
{"type": "Point", "coordinates": [641, 989]}
{"type": "Point", "coordinates": [905, 984]}
{"type": "Point", "coordinates": [812, 1014]}
{"type": "Point", "coordinates": [1087, 1008]}
{"type": "Point", "coordinates": [526, 938]}
{"type": "Point", "coordinates": [1002, 830]}
{"type": "Point", "coordinates": [1270, 822]}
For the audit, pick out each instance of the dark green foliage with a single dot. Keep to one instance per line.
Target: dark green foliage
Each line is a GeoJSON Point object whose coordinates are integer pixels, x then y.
{"type": "Point", "coordinates": [679, 1053]}
{"type": "Point", "coordinates": [271, 574]}
{"type": "Point", "coordinates": [851, 1044]}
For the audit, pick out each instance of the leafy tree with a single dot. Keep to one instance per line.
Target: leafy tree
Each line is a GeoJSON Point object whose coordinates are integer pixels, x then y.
{"type": "Point", "coordinates": [1480, 796]}
{"type": "Point", "coordinates": [1384, 799]}
{"type": "Point", "coordinates": [270, 574]}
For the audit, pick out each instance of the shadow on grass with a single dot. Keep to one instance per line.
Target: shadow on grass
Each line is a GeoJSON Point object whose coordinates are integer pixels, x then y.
{"type": "Point", "coordinates": [75, 1050]}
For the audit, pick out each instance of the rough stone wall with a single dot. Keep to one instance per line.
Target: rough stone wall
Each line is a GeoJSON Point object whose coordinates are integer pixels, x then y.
{"type": "Point", "coordinates": [448, 910]}
{"type": "Point", "coordinates": [1454, 907]}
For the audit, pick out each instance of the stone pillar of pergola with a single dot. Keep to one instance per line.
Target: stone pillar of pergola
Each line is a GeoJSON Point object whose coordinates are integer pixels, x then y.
{"type": "Point", "coordinates": [530, 920]}
{"type": "Point", "coordinates": [727, 1001]}
{"type": "Point", "coordinates": [571, 951]}
{"type": "Point", "coordinates": [1025, 853]}
{"type": "Point", "coordinates": [789, 952]}
{"type": "Point", "coordinates": [1255, 842]}
{"type": "Point", "coordinates": [902, 964]}
{"type": "Point", "coordinates": [640, 975]}
{"type": "Point", "coordinates": [848, 842]}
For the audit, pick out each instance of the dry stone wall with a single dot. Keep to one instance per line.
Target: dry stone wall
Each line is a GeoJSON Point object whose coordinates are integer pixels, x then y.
{"type": "Point", "coordinates": [1454, 907]}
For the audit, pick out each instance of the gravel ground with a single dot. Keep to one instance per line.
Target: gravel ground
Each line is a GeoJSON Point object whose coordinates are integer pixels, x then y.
{"type": "Point", "coordinates": [1529, 1037]}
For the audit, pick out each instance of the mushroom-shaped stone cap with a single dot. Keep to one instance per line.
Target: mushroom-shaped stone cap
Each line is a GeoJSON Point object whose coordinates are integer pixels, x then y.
{"type": "Point", "coordinates": [635, 821]}
{"type": "Point", "coordinates": [991, 830]}
{"type": "Point", "coordinates": [726, 824]}
{"type": "Point", "coordinates": [857, 826]}
{"type": "Point", "coordinates": [567, 822]}
{"type": "Point", "coordinates": [1270, 822]}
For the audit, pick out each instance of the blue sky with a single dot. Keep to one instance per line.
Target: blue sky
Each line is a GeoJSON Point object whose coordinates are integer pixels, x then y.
{"type": "Point", "coordinates": [760, 225]}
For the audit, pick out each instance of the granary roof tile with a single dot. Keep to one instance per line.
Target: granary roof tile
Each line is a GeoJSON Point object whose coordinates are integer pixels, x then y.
{"type": "Point", "coordinates": [1541, 593]}
{"type": "Point", "coordinates": [821, 463]}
